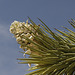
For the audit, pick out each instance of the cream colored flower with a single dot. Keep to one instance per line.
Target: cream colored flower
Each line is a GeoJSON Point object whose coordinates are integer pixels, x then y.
{"type": "Point", "coordinates": [29, 64]}
{"type": "Point", "coordinates": [27, 52]}
{"type": "Point", "coordinates": [22, 30]}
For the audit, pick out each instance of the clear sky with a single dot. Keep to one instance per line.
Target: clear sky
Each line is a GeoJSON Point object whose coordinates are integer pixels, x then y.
{"type": "Point", "coordinates": [54, 13]}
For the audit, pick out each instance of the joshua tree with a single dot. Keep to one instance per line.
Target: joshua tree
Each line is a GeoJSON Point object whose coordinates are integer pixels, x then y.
{"type": "Point", "coordinates": [51, 53]}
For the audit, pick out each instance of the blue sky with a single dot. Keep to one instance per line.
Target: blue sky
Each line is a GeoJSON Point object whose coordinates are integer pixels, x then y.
{"type": "Point", "coordinates": [54, 13]}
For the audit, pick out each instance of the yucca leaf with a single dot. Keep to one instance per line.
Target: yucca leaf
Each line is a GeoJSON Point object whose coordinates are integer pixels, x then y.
{"type": "Point", "coordinates": [31, 21]}
{"type": "Point", "coordinates": [72, 24]}
{"type": "Point", "coordinates": [69, 30]}
{"type": "Point", "coordinates": [70, 66]}
{"type": "Point", "coordinates": [38, 71]}
{"type": "Point", "coordinates": [44, 24]}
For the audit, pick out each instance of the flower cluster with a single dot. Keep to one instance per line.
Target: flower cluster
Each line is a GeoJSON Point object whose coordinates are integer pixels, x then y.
{"type": "Point", "coordinates": [23, 31]}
